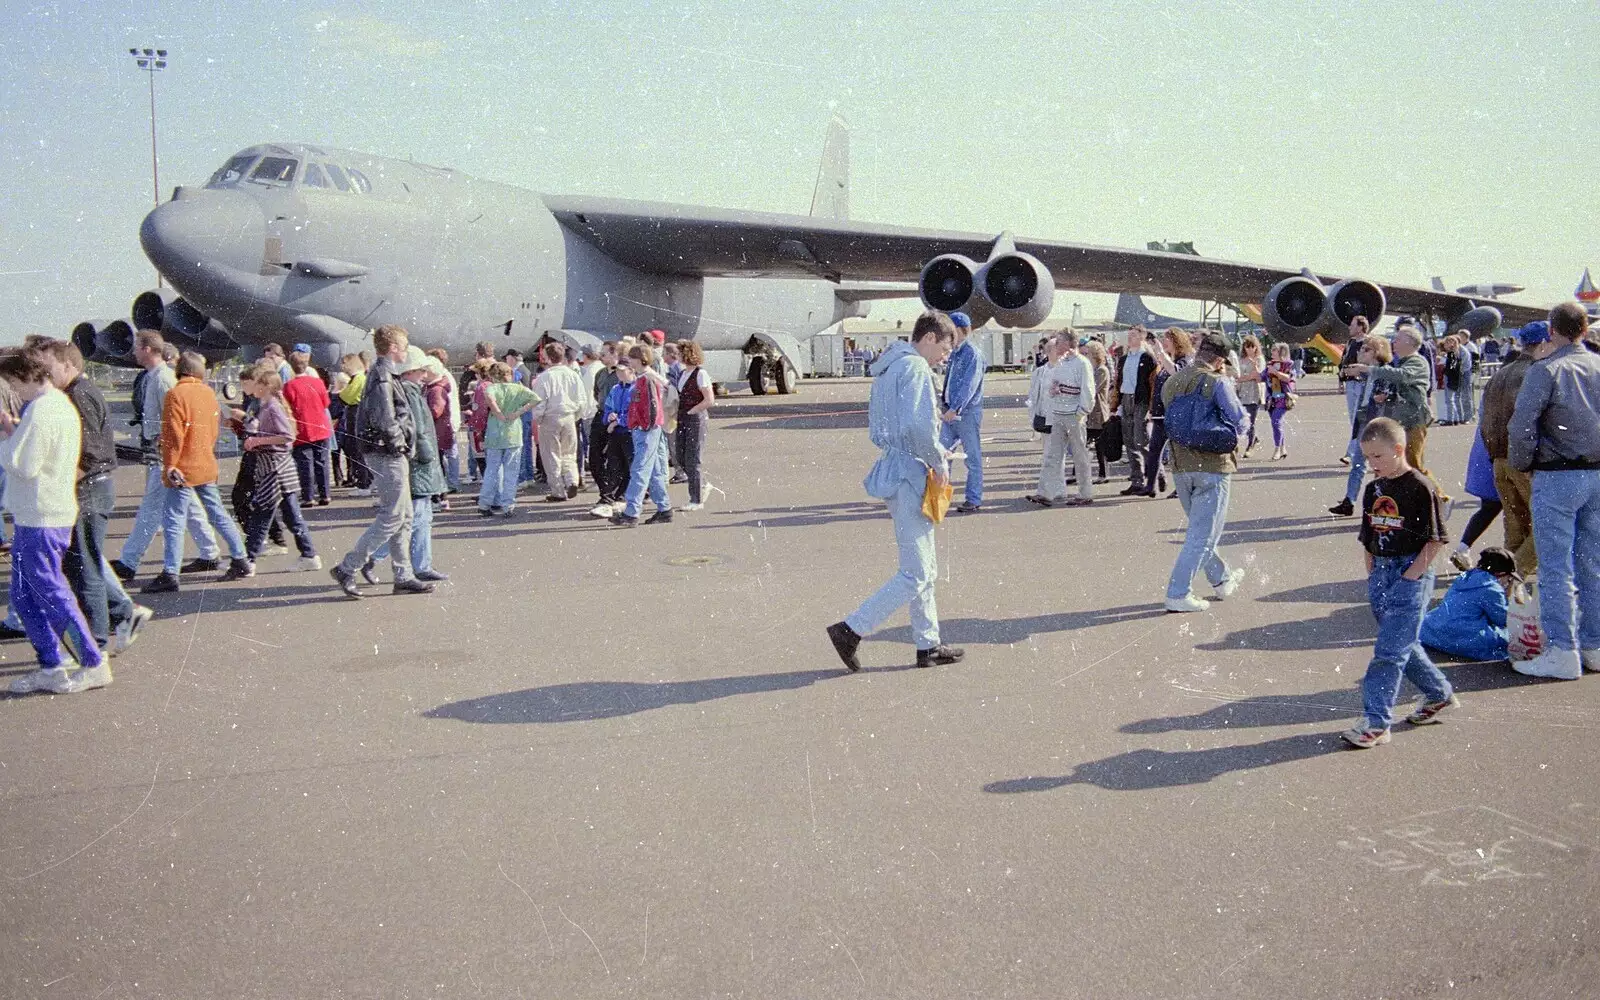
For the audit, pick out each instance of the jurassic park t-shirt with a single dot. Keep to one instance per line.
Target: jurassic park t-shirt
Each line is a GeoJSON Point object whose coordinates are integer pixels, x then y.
{"type": "Point", "coordinates": [1400, 516]}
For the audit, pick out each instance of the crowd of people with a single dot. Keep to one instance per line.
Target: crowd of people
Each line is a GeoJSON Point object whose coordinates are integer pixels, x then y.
{"type": "Point", "coordinates": [395, 426]}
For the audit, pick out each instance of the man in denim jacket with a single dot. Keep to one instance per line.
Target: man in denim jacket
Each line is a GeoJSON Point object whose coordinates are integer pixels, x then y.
{"type": "Point", "coordinates": [962, 406]}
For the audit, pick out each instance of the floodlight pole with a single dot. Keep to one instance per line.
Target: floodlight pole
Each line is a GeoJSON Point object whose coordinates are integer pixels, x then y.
{"type": "Point", "coordinates": [150, 62]}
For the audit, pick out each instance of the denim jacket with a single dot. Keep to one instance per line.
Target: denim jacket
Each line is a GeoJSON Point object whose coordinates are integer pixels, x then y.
{"type": "Point", "coordinates": [963, 379]}
{"type": "Point", "coordinates": [903, 420]}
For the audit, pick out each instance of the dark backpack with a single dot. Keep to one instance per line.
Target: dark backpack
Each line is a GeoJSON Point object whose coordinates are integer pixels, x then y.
{"type": "Point", "coordinates": [1195, 421]}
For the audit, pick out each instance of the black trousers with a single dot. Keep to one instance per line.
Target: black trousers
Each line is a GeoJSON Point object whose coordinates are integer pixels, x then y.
{"type": "Point", "coordinates": [619, 461]}
{"type": "Point", "coordinates": [597, 449]}
{"type": "Point", "coordinates": [691, 438]}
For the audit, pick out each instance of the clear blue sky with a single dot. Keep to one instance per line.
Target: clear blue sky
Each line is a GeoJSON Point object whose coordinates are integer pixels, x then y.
{"type": "Point", "coordinates": [1391, 140]}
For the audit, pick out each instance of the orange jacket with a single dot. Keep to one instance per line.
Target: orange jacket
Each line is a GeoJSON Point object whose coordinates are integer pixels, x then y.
{"type": "Point", "coordinates": [189, 424]}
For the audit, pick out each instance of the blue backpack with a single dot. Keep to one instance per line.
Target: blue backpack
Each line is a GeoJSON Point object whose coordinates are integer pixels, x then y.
{"type": "Point", "coordinates": [1195, 421]}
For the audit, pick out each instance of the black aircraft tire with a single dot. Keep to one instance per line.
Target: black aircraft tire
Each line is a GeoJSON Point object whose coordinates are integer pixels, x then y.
{"type": "Point", "coordinates": [758, 376]}
{"type": "Point", "coordinates": [787, 378]}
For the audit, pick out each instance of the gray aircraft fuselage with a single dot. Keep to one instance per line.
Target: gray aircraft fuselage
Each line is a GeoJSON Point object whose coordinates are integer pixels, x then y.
{"type": "Point", "coordinates": [352, 241]}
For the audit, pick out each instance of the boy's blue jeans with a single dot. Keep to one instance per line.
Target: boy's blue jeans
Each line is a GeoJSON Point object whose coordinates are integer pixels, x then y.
{"type": "Point", "coordinates": [1398, 605]}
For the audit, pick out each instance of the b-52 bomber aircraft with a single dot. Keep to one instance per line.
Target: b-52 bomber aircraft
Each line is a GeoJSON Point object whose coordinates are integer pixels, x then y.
{"type": "Point", "coordinates": [302, 243]}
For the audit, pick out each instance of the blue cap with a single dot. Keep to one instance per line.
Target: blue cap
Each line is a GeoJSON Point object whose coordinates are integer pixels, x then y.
{"type": "Point", "coordinates": [302, 348]}
{"type": "Point", "coordinates": [1536, 332]}
{"type": "Point", "coordinates": [961, 320]}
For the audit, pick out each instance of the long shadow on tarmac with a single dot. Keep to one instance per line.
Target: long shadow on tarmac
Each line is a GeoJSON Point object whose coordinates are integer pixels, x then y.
{"type": "Point", "coordinates": [1323, 706]}
{"type": "Point", "coordinates": [1143, 770]}
{"type": "Point", "coordinates": [586, 701]}
{"type": "Point", "coordinates": [1000, 631]}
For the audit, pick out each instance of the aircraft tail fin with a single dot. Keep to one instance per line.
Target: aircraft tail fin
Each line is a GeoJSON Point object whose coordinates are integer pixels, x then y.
{"type": "Point", "coordinates": [1131, 311]}
{"type": "Point", "coordinates": [1438, 284]}
{"type": "Point", "coordinates": [831, 199]}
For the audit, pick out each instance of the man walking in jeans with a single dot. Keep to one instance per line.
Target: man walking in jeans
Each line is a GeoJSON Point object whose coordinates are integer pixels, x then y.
{"type": "Point", "coordinates": [387, 434]}
{"type": "Point", "coordinates": [1203, 478]}
{"type": "Point", "coordinates": [1555, 435]}
{"type": "Point", "coordinates": [962, 404]}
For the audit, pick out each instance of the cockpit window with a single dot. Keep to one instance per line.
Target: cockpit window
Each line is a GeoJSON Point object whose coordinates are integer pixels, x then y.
{"type": "Point", "coordinates": [339, 179]}
{"type": "Point", "coordinates": [313, 177]}
{"type": "Point", "coordinates": [275, 170]}
{"type": "Point", "coordinates": [232, 172]}
{"type": "Point", "coordinates": [360, 182]}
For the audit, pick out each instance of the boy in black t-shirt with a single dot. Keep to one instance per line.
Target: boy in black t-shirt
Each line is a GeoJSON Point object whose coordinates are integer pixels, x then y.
{"type": "Point", "coordinates": [1402, 530]}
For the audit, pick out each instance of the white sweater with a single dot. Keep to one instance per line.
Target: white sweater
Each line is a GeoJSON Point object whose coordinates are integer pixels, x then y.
{"type": "Point", "coordinates": [41, 462]}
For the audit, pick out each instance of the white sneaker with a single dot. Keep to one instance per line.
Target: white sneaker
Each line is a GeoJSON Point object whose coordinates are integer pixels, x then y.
{"type": "Point", "coordinates": [601, 510]}
{"type": "Point", "coordinates": [306, 564]}
{"type": "Point", "coordinates": [1557, 664]}
{"type": "Point", "coordinates": [56, 680]}
{"type": "Point", "coordinates": [1230, 583]}
{"type": "Point", "coordinates": [692, 506]}
{"type": "Point", "coordinates": [1591, 660]}
{"type": "Point", "coordinates": [129, 629]}
{"type": "Point", "coordinates": [88, 678]}
{"type": "Point", "coordinates": [1188, 602]}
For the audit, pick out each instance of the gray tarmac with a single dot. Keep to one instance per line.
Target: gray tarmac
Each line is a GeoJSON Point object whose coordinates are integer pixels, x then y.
{"type": "Point", "coordinates": [626, 763]}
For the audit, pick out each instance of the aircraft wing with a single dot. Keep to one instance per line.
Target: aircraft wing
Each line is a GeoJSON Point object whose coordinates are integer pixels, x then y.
{"type": "Point", "coordinates": [695, 240]}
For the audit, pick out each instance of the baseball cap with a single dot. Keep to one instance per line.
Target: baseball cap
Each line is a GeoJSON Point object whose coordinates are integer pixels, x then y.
{"type": "Point", "coordinates": [302, 348]}
{"type": "Point", "coordinates": [1214, 345]}
{"type": "Point", "coordinates": [961, 320]}
{"type": "Point", "coordinates": [657, 337]}
{"type": "Point", "coordinates": [1498, 561]}
{"type": "Point", "coordinates": [1536, 332]}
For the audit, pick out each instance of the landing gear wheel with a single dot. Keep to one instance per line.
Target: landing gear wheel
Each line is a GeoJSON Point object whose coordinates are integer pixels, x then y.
{"type": "Point", "coordinates": [762, 377]}
{"type": "Point", "coordinates": [787, 378]}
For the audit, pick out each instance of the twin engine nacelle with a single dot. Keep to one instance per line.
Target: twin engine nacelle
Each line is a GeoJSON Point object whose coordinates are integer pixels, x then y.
{"type": "Point", "coordinates": [1014, 289]}
{"type": "Point", "coordinates": [1299, 308]}
{"type": "Point", "coordinates": [111, 341]}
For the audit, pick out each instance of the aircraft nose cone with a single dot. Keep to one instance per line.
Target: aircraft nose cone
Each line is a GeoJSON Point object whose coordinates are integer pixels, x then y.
{"type": "Point", "coordinates": [194, 235]}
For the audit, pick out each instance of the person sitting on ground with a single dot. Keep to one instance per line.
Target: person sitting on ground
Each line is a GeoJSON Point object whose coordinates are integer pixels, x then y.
{"type": "Point", "coordinates": [1402, 531]}
{"type": "Point", "coordinates": [1470, 623]}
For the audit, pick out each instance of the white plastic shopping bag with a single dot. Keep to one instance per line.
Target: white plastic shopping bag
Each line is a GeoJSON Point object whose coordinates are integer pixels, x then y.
{"type": "Point", "coordinates": [1524, 636]}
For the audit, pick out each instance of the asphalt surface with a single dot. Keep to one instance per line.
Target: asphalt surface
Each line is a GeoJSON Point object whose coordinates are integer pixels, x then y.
{"type": "Point", "coordinates": [626, 763]}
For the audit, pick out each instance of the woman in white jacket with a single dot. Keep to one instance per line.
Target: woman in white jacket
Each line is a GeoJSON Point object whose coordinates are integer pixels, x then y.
{"type": "Point", "coordinates": [39, 451]}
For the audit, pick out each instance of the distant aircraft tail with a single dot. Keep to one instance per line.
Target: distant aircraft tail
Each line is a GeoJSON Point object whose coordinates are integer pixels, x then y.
{"type": "Point", "coordinates": [1438, 284]}
{"type": "Point", "coordinates": [831, 200]}
{"type": "Point", "coordinates": [1131, 311]}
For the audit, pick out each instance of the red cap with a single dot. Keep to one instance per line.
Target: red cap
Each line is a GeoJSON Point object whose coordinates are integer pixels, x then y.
{"type": "Point", "coordinates": [658, 336]}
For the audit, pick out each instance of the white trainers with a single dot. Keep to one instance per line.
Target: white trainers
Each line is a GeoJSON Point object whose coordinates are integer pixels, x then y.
{"type": "Point", "coordinates": [1230, 583]}
{"type": "Point", "coordinates": [88, 678]}
{"type": "Point", "coordinates": [1557, 664]}
{"type": "Point", "coordinates": [601, 510]}
{"type": "Point", "coordinates": [692, 506]}
{"type": "Point", "coordinates": [1591, 660]}
{"type": "Point", "coordinates": [129, 629]}
{"type": "Point", "coordinates": [1188, 602]}
{"type": "Point", "coordinates": [56, 680]}
{"type": "Point", "coordinates": [306, 564]}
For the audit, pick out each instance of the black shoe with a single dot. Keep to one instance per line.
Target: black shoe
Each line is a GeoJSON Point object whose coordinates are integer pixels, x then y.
{"type": "Point", "coordinates": [1161, 485]}
{"type": "Point", "coordinates": [940, 655]}
{"type": "Point", "coordinates": [239, 569]}
{"type": "Point", "coordinates": [369, 573]}
{"type": "Point", "coordinates": [7, 632]}
{"type": "Point", "coordinates": [1132, 491]}
{"type": "Point", "coordinates": [164, 583]}
{"type": "Point", "coordinates": [659, 517]}
{"type": "Point", "coordinates": [845, 643]}
{"type": "Point", "coordinates": [572, 493]}
{"type": "Point", "coordinates": [124, 573]}
{"type": "Point", "coordinates": [679, 477]}
{"type": "Point", "coordinates": [432, 576]}
{"type": "Point", "coordinates": [485, 512]}
{"type": "Point", "coordinates": [624, 521]}
{"type": "Point", "coordinates": [202, 566]}
{"type": "Point", "coordinates": [968, 508]}
{"type": "Point", "coordinates": [346, 581]}
{"type": "Point", "coordinates": [555, 499]}
{"type": "Point", "coordinates": [1344, 508]}
{"type": "Point", "coordinates": [412, 586]}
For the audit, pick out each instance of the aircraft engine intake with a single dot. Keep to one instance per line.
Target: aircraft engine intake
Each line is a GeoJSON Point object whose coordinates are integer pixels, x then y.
{"type": "Point", "coordinates": [113, 343]}
{"type": "Point", "coordinates": [178, 321]}
{"type": "Point", "coordinates": [1479, 322]}
{"type": "Point", "coordinates": [1019, 288]}
{"type": "Point", "coordinates": [83, 337]}
{"type": "Point", "coordinates": [1350, 298]}
{"type": "Point", "coordinates": [1295, 310]}
{"type": "Point", "coordinates": [949, 283]}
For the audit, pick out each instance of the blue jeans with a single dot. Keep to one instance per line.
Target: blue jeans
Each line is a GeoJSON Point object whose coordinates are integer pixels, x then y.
{"type": "Point", "coordinates": [1447, 407]}
{"type": "Point", "coordinates": [421, 536]}
{"type": "Point", "coordinates": [1358, 472]}
{"type": "Point", "coordinates": [105, 604]}
{"type": "Point", "coordinates": [180, 503]}
{"type": "Point", "coordinates": [1352, 402]}
{"type": "Point", "coordinates": [527, 473]}
{"type": "Point", "coordinates": [1566, 534]}
{"type": "Point", "coordinates": [649, 472]}
{"type": "Point", "coordinates": [1204, 496]}
{"type": "Point", "coordinates": [452, 465]}
{"type": "Point", "coordinates": [967, 430]}
{"type": "Point", "coordinates": [149, 520]}
{"type": "Point", "coordinates": [311, 463]}
{"type": "Point", "coordinates": [1398, 605]}
{"type": "Point", "coordinates": [914, 582]}
{"type": "Point", "coordinates": [499, 478]}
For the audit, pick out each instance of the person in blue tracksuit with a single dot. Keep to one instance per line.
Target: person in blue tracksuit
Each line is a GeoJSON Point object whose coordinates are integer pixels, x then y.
{"type": "Point", "coordinates": [1471, 620]}
{"type": "Point", "coordinates": [962, 409]}
{"type": "Point", "coordinates": [902, 418]}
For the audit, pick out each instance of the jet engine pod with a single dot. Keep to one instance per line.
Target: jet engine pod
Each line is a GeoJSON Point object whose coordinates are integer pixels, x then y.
{"type": "Point", "coordinates": [150, 308]}
{"type": "Point", "coordinates": [114, 342]}
{"type": "Point", "coordinates": [1350, 298]}
{"type": "Point", "coordinates": [1019, 288]}
{"type": "Point", "coordinates": [1295, 310]}
{"type": "Point", "coordinates": [83, 337]}
{"type": "Point", "coordinates": [949, 283]}
{"type": "Point", "coordinates": [1479, 322]}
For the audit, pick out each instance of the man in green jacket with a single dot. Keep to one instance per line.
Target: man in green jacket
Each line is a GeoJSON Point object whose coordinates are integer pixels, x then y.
{"type": "Point", "coordinates": [1404, 384]}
